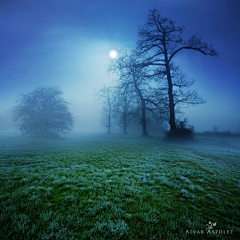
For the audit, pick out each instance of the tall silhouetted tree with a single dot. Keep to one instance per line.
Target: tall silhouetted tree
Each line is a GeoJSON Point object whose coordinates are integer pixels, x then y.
{"type": "Point", "coordinates": [42, 113]}
{"type": "Point", "coordinates": [161, 39]}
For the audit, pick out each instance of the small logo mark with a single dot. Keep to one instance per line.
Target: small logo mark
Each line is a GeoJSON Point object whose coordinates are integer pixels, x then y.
{"type": "Point", "coordinates": [210, 230]}
{"type": "Point", "coordinates": [210, 225]}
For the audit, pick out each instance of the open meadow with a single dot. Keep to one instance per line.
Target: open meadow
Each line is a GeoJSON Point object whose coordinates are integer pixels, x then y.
{"type": "Point", "coordinates": [119, 187]}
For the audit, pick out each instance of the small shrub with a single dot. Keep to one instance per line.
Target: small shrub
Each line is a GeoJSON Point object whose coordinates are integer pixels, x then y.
{"type": "Point", "coordinates": [181, 133]}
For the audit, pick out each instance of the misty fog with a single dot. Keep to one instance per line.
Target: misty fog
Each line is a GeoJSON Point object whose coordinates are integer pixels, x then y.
{"type": "Point", "coordinates": [117, 122]}
{"type": "Point", "coordinates": [68, 46]}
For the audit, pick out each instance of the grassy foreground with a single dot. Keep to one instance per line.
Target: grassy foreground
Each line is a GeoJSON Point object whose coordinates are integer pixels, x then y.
{"type": "Point", "coordinates": [117, 187]}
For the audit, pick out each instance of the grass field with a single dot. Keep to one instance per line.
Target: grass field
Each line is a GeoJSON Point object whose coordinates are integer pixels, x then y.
{"type": "Point", "coordinates": [119, 187]}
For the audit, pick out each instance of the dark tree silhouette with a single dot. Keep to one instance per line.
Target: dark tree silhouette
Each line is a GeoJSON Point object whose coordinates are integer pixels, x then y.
{"type": "Point", "coordinates": [183, 95]}
{"type": "Point", "coordinates": [42, 113]}
{"type": "Point", "coordinates": [161, 39]}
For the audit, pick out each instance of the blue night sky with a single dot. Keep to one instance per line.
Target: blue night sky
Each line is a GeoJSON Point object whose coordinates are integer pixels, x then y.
{"type": "Point", "coordinates": [66, 43]}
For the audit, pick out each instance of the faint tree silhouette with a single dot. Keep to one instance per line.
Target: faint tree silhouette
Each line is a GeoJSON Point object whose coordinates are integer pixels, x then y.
{"type": "Point", "coordinates": [133, 78]}
{"type": "Point", "coordinates": [42, 113]}
{"type": "Point", "coordinates": [125, 105]}
{"type": "Point", "coordinates": [106, 95]}
{"type": "Point", "coordinates": [215, 129]}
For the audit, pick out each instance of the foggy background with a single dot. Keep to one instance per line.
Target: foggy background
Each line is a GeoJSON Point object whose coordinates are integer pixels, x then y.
{"type": "Point", "coordinates": [67, 44]}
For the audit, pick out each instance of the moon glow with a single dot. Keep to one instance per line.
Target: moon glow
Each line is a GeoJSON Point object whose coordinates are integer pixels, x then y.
{"type": "Point", "coordinates": [113, 54]}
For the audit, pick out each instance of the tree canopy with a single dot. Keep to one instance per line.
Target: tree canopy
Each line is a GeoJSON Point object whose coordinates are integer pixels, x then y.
{"type": "Point", "coordinates": [42, 113]}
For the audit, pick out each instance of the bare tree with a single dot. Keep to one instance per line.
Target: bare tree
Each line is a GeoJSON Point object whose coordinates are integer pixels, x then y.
{"type": "Point", "coordinates": [162, 40]}
{"type": "Point", "coordinates": [133, 78]}
{"type": "Point", "coordinates": [183, 95]}
{"type": "Point", "coordinates": [124, 107]}
{"type": "Point", "coordinates": [106, 95]}
{"type": "Point", "coordinates": [42, 113]}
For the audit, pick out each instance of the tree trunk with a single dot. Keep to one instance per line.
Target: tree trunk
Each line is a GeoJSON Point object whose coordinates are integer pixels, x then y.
{"type": "Point", "coordinates": [125, 116]}
{"type": "Point", "coordinates": [125, 124]}
{"type": "Point", "coordinates": [109, 130]}
{"type": "Point", "coordinates": [144, 121]}
{"type": "Point", "coordinates": [125, 128]}
{"type": "Point", "coordinates": [109, 123]}
{"type": "Point", "coordinates": [171, 102]}
{"type": "Point", "coordinates": [109, 113]}
{"type": "Point", "coordinates": [170, 90]}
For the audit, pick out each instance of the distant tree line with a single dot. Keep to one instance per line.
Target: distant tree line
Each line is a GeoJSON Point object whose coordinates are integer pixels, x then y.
{"type": "Point", "coordinates": [150, 84]}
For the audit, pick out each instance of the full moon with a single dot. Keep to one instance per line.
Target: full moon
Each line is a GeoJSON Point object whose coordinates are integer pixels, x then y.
{"type": "Point", "coordinates": [113, 54]}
